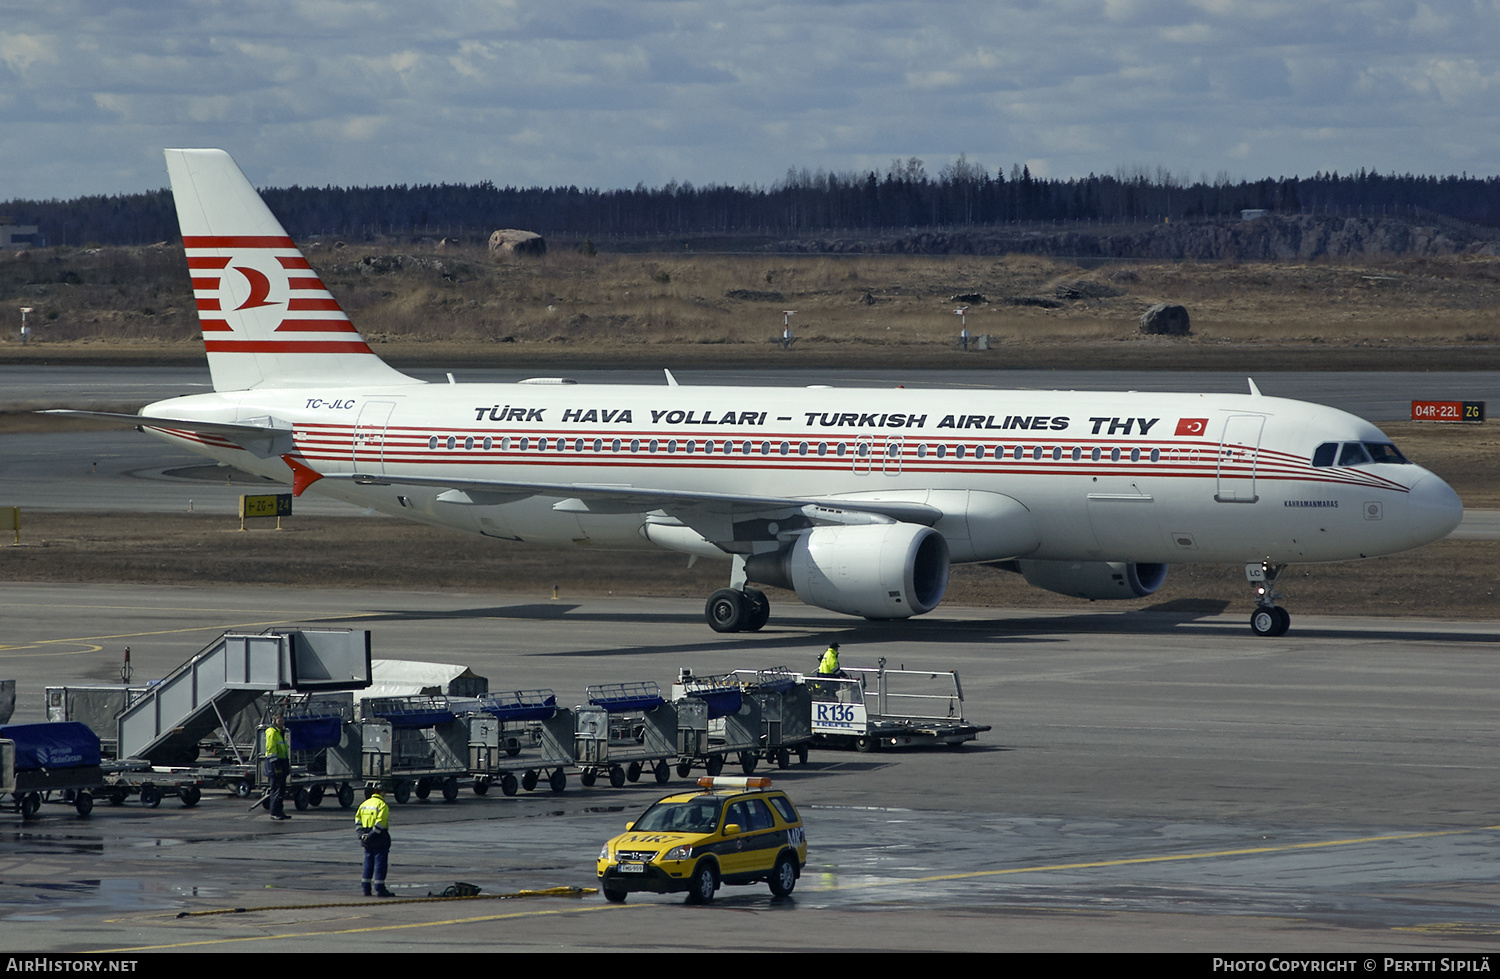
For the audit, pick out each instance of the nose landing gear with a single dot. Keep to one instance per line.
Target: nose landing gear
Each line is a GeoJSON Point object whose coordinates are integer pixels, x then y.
{"type": "Point", "coordinates": [1268, 619]}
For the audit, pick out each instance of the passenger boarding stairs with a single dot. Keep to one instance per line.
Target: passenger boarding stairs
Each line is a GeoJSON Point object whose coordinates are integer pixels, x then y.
{"type": "Point", "coordinates": [165, 724]}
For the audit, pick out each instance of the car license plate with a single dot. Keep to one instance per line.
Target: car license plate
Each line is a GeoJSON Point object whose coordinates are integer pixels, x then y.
{"type": "Point", "coordinates": [632, 868]}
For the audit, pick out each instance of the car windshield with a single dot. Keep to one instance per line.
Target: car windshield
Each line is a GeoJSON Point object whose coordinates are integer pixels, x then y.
{"type": "Point", "coordinates": [693, 816]}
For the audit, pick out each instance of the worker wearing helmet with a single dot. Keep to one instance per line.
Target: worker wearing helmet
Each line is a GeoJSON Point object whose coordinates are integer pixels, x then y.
{"type": "Point", "coordinates": [829, 666]}
{"type": "Point", "coordinates": [372, 820]}
{"type": "Point", "coordinates": [278, 764]}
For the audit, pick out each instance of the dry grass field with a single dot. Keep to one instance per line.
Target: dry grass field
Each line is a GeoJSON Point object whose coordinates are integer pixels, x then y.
{"type": "Point", "coordinates": [425, 304]}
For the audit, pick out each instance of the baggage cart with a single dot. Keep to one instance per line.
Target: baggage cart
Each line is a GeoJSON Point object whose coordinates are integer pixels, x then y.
{"type": "Point", "coordinates": [518, 737]}
{"type": "Point", "coordinates": [416, 744]}
{"type": "Point", "coordinates": [625, 729]}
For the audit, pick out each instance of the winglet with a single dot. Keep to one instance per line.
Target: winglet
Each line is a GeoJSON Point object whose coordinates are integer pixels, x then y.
{"type": "Point", "coordinates": [302, 476]}
{"type": "Point", "coordinates": [1254, 391]}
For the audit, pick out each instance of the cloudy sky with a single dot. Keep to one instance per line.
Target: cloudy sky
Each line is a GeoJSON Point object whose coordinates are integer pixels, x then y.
{"type": "Point", "coordinates": [611, 93]}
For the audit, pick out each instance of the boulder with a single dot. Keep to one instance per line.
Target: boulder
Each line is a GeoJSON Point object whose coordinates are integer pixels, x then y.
{"type": "Point", "coordinates": [509, 241]}
{"type": "Point", "coordinates": [1166, 319]}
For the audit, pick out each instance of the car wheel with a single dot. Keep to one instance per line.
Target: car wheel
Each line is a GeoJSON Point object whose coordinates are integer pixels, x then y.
{"type": "Point", "coordinates": [783, 876]}
{"type": "Point", "coordinates": [614, 896]}
{"type": "Point", "coordinates": [703, 883]}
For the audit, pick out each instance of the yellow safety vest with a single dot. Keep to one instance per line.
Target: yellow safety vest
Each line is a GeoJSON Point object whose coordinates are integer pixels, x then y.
{"type": "Point", "coordinates": [373, 812]}
{"type": "Point", "coordinates": [276, 746]}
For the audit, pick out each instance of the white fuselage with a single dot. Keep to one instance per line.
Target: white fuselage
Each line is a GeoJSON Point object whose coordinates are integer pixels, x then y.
{"type": "Point", "coordinates": [1099, 476]}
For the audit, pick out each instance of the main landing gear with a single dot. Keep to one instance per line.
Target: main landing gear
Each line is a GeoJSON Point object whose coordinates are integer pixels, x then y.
{"type": "Point", "coordinates": [737, 610]}
{"type": "Point", "coordinates": [1268, 619]}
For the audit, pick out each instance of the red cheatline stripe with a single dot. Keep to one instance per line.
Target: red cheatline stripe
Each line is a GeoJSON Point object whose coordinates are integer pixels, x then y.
{"type": "Point", "coordinates": [206, 283]}
{"type": "Point", "coordinates": [340, 325]}
{"type": "Point", "coordinates": [293, 262]}
{"type": "Point", "coordinates": [288, 346]}
{"type": "Point", "coordinates": [308, 305]}
{"type": "Point", "coordinates": [313, 283]}
{"type": "Point", "coordinates": [215, 326]}
{"type": "Point", "coordinates": [207, 305]}
{"type": "Point", "coordinates": [236, 241]}
{"type": "Point", "coordinates": [207, 261]}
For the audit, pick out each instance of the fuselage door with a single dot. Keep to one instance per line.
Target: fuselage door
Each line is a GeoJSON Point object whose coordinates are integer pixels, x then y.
{"type": "Point", "coordinates": [368, 445]}
{"type": "Point", "coordinates": [1239, 456]}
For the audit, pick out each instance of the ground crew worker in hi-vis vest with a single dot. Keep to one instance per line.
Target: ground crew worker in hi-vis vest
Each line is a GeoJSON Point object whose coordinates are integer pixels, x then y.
{"type": "Point", "coordinates": [278, 764]}
{"type": "Point", "coordinates": [372, 821]}
{"type": "Point", "coordinates": [829, 666]}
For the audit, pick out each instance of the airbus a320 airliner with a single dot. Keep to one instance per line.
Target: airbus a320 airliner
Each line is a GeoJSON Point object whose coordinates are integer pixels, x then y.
{"type": "Point", "coordinates": [859, 500]}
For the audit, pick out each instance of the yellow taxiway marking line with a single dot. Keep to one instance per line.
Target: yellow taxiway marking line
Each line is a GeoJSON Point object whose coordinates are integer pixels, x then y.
{"type": "Point", "coordinates": [1133, 861]}
{"type": "Point", "coordinates": [216, 627]}
{"type": "Point", "coordinates": [373, 928]}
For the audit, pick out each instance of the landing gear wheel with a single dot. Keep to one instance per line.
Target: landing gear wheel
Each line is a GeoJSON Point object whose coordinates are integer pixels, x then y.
{"type": "Point", "coordinates": [727, 611]}
{"type": "Point", "coordinates": [783, 876]}
{"type": "Point", "coordinates": [616, 776]}
{"type": "Point", "coordinates": [760, 609]}
{"type": "Point", "coordinates": [663, 772]}
{"type": "Point", "coordinates": [703, 884]}
{"type": "Point", "coordinates": [1270, 620]}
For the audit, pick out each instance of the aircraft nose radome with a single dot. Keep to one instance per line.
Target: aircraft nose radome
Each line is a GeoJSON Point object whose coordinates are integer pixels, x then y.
{"type": "Point", "coordinates": [1435, 509]}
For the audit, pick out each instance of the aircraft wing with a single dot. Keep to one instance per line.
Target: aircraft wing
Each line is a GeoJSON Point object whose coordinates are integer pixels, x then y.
{"type": "Point", "coordinates": [695, 508]}
{"type": "Point", "coordinates": [265, 437]}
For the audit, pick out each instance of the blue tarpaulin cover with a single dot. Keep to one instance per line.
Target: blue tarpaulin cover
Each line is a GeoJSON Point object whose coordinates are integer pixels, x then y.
{"type": "Point", "coordinates": [56, 744]}
{"type": "Point", "coordinates": [313, 733]}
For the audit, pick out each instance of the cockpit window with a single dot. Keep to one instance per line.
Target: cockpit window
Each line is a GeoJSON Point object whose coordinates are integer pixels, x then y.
{"type": "Point", "coordinates": [1357, 454]}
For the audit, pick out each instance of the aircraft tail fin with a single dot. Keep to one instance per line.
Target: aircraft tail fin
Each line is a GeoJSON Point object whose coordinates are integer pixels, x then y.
{"type": "Point", "coordinates": [267, 318]}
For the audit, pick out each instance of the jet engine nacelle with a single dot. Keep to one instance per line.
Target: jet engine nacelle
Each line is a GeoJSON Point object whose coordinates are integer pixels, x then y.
{"type": "Point", "coordinates": [1095, 580]}
{"type": "Point", "coordinates": [881, 571]}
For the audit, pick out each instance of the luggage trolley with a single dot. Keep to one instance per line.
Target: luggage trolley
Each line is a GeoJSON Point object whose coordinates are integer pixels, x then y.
{"type": "Point", "coordinates": [785, 711]}
{"type": "Point", "coordinates": [732, 721]}
{"type": "Point", "coordinates": [417, 743]}
{"type": "Point", "coordinates": [625, 728]}
{"type": "Point", "coordinates": [316, 726]}
{"type": "Point", "coordinates": [520, 731]}
{"type": "Point", "coordinates": [54, 756]}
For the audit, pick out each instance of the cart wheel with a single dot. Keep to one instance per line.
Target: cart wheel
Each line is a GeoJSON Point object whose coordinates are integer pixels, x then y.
{"type": "Point", "coordinates": [802, 754]}
{"type": "Point", "coordinates": [714, 765]}
{"type": "Point", "coordinates": [403, 792]}
{"type": "Point", "coordinates": [481, 786]}
{"type": "Point", "coordinates": [315, 794]}
{"type": "Point", "coordinates": [299, 798]}
{"type": "Point", "coordinates": [150, 796]}
{"type": "Point", "coordinates": [83, 801]}
{"type": "Point", "coordinates": [512, 748]}
{"type": "Point", "coordinates": [528, 779]}
{"type": "Point", "coordinates": [588, 777]}
{"type": "Point", "coordinates": [117, 797]}
{"type": "Point", "coordinates": [189, 794]}
{"type": "Point", "coordinates": [684, 769]}
{"type": "Point", "coordinates": [865, 744]}
{"type": "Point", "coordinates": [783, 758]}
{"type": "Point", "coordinates": [633, 771]}
{"type": "Point", "coordinates": [616, 776]}
{"type": "Point", "coordinates": [508, 784]}
{"type": "Point", "coordinates": [424, 788]}
{"type": "Point", "coordinates": [346, 796]}
{"type": "Point", "coordinates": [663, 771]}
{"type": "Point", "coordinates": [243, 788]}
{"type": "Point", "coordinates": [450, 789]}
{"type": "Point", "coordinates": [747, 762]}
{"type": "Point", "coordinates": [31, 803]}
{"type": "Point", "coordinates": [558, 780]}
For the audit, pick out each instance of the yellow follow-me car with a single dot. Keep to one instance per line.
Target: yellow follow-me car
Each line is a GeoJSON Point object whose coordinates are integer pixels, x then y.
{"type": "Point", "coordinates": [731, 831]}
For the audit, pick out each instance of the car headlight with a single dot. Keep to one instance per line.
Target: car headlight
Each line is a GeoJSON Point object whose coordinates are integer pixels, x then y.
{"type": "Point", "coordinates": [604, 852]}
{"type": "Point", "coordinates": [678, 853]}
